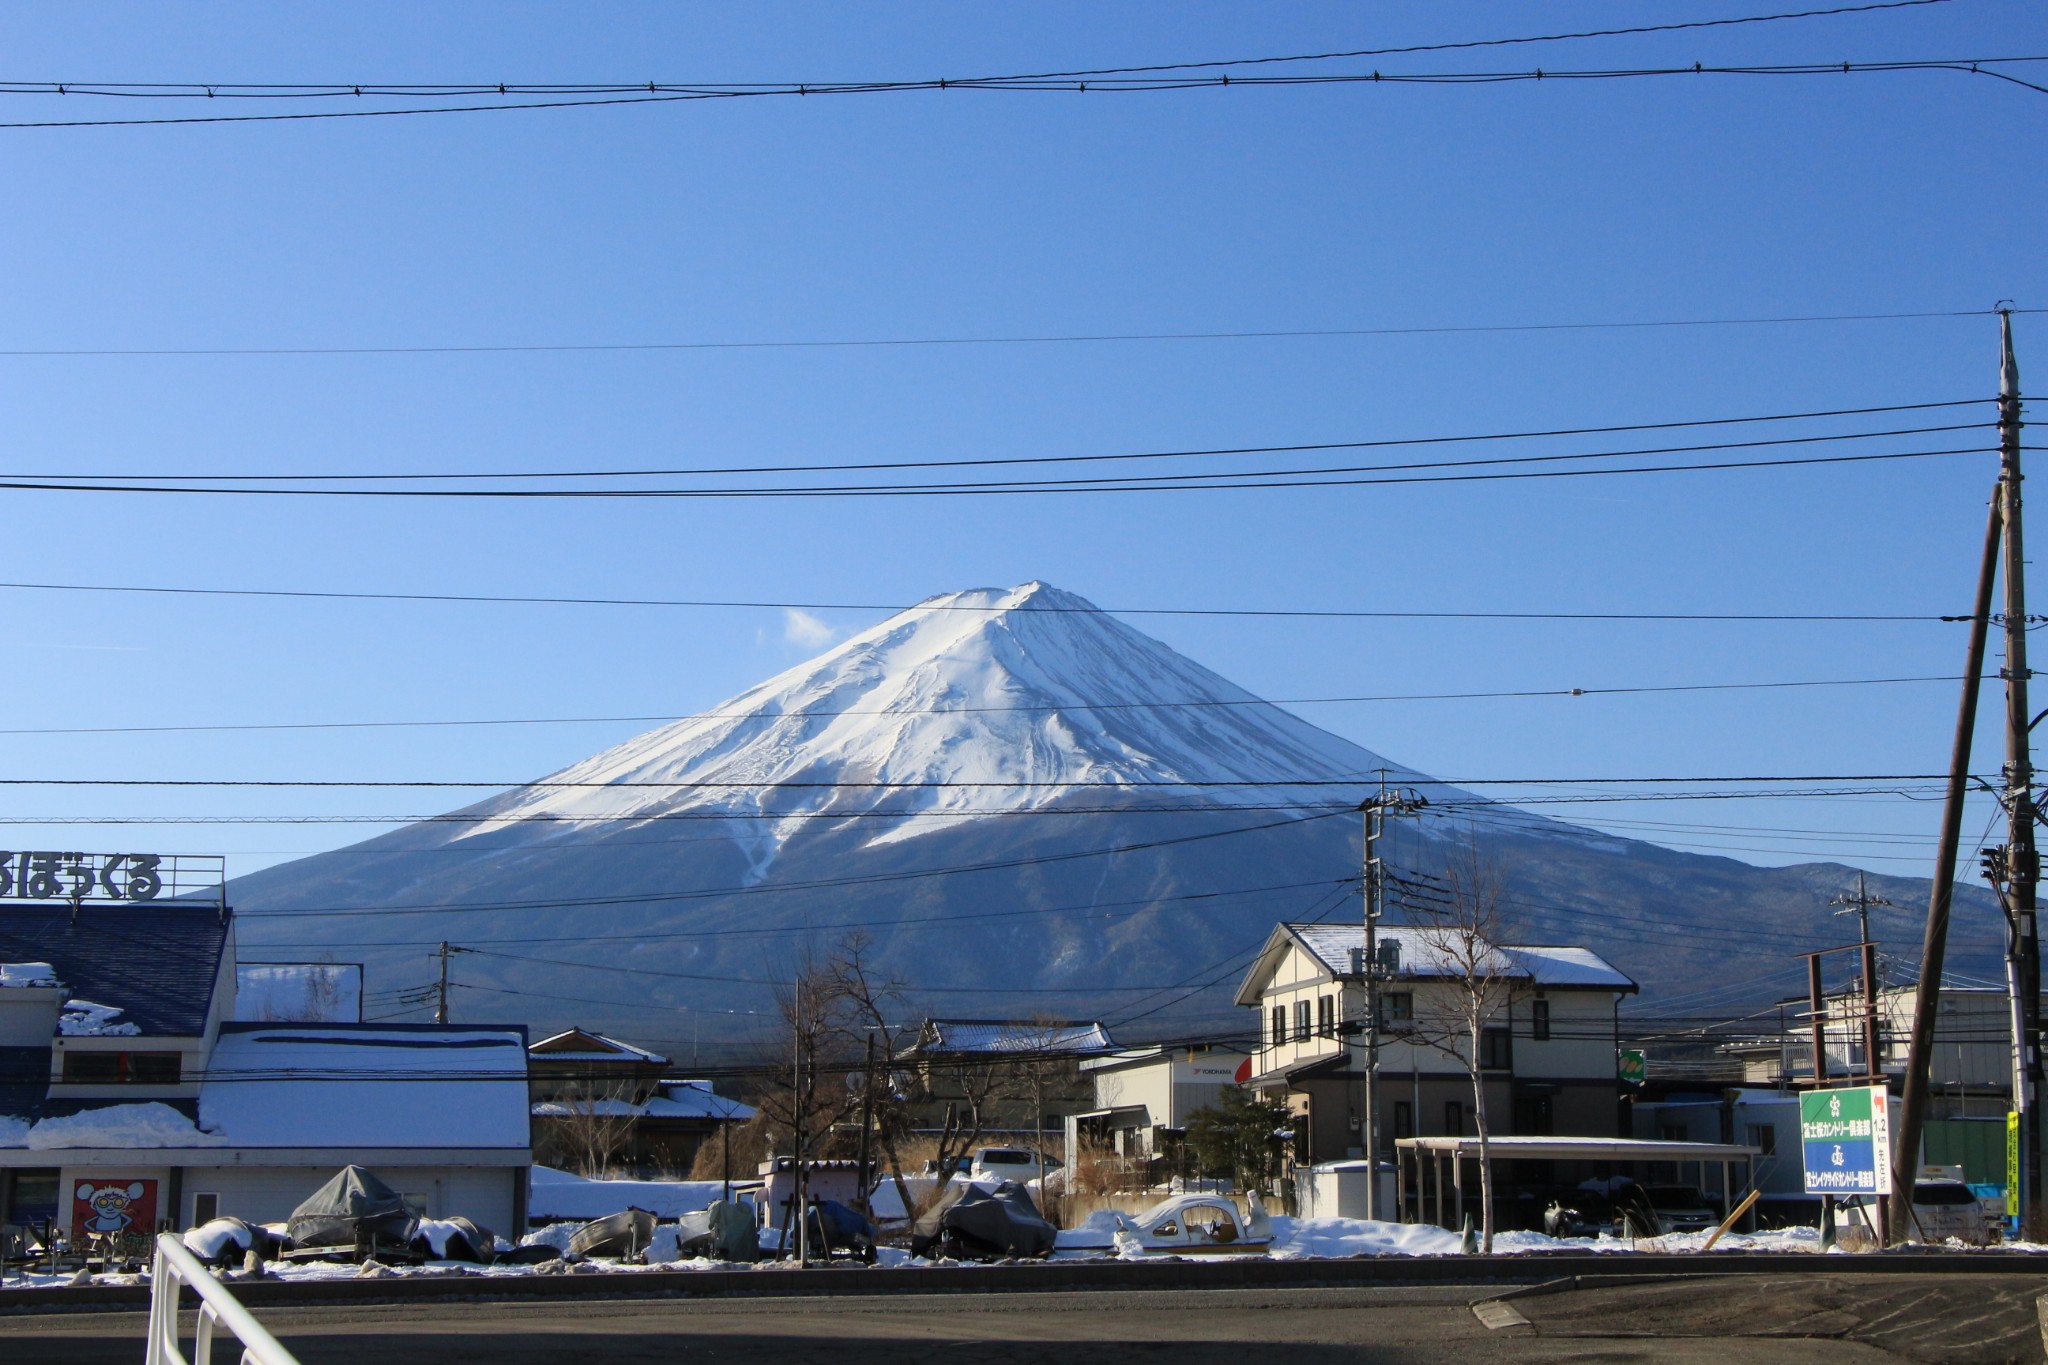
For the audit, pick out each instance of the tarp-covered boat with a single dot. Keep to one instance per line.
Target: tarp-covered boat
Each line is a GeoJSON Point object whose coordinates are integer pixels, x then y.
{"type": "Point", "coordinates": [972, 1223]}
{"type": "Point", "coordinates": [624, 1235]}
{"type": "Point", "coordinates": [355, 1209]}
{"type": "Point", "coordinates": [724, 1232]}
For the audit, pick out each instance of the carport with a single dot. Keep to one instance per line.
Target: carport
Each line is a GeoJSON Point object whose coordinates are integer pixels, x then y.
{"type": "Point", "coordinates": [1429, 1166]}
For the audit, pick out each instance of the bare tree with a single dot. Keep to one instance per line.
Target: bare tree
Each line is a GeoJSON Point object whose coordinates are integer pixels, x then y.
{"type": "Point", "coordinates": [588, 1132]}
{"type": "Point", "coordinates": [1463, 937]}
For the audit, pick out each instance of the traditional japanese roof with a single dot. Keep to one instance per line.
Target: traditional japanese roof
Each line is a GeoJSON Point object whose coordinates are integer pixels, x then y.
{"type": "Point", "coordinates": [1009, 1036]}
{"type": "Point", "coordinates": [581, 1045]}
{"type": "Point", "coordinates": [1422, 958]}
{"type": "Point", "coordinates": [156, 963]}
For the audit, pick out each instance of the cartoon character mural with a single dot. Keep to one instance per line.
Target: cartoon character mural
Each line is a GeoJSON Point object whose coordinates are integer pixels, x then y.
{"type": "Point", "coordinates": [100, 1208]}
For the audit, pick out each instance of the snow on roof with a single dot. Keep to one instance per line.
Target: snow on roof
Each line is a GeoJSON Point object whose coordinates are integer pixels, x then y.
{"type": "Point", "coordinates": [610, 1052]}
{"type": "Point", "coordinates": [597, 1109]}
{"type": "Point", "coordinates": [695, 1100]}
{"type": "Point", "coordinates": [1332, 945]}
{"type": "Point", "coordinates": [1011, 1035]}
{"type": "Point", "coordinates": [364, 1086]}
{"type": "Point", "coordinates": [84, 1019]}
{"type": "Point", "coordinates": [111, 1126]}
{"type": "Point", "coordinates": [558, 1194]}
{"type": "Point", "coordinates": [299, 992]}
{"type": "Point", "coordinates": [27, 974]}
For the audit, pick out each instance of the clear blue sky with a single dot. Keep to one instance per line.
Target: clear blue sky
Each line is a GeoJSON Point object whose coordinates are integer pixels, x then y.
{"type": "Point", "coordinates": [969, 214]}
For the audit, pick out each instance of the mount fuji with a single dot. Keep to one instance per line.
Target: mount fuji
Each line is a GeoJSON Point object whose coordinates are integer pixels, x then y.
{"type": "Point", "coordinates": [1028, 807]}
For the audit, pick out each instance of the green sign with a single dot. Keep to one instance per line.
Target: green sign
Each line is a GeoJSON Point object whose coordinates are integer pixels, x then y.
{"type": "Point", "coordinates": [2012, 1161]}
{"type": "Point", "coordinates": [1845, 1141]}
{"type": "Point", "coordinates": [1631, 1067]}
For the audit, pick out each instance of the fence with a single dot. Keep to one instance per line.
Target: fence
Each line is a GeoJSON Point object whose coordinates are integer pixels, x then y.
{"type": "Point", "coordinates": [177, 1267]}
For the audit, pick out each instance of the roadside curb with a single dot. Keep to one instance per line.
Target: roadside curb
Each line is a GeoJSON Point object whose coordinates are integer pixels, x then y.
{"type": "Point", "coordinates": [1530, 1273]}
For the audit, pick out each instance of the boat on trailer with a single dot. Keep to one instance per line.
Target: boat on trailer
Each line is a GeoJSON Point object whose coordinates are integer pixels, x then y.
{"type": "Point", "coordinates": [1183, 1225]}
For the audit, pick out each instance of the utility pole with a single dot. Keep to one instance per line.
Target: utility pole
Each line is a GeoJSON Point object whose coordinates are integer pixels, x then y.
{"type": "Point", "coordinates": [2023, 866]}
{"type": "Point", "coordinates": [441, 1009]}
{"type": "Point", "coordinates": [1934, 941]}
{"type": "Point", "coordinates": [1859, 905]}
{"type": "Point", "coordinates": [1376, 810]}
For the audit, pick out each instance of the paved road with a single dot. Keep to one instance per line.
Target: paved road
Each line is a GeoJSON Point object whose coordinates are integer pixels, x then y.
{"type": "Point", "coordinates": [1791, 1320]}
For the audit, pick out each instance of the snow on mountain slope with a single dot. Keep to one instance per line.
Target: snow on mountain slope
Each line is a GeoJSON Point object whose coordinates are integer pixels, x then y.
{"type": "Point", "coordinates": [1031, 691]}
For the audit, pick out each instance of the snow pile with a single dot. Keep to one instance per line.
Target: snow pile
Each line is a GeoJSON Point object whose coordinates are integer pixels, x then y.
{"type": "Point", "coordinates": [27, 974]}
{"type": "Point", "coordinates": [209, 1240]}
{"type": "Point", "coordinates": [558, 1194]}
{"type": "Point", "coordinates": [84, 1019]}
{"type": "Point", "coordinates": [1299, 1238]}
{"type": "Point", "coordinates": [13, 1131]}
{"type": "Point", "coordinates": [554, 1235]}
{"type": "Point", "coordinates": [120, 1125]}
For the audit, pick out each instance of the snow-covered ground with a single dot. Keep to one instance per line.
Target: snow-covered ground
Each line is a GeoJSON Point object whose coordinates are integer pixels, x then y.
{"type": "Point", "coordinates": [1293, 1239]}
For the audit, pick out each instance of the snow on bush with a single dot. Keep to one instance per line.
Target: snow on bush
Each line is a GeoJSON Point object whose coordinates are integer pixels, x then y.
{"type": "Point", "coordinates": [121, 1125]}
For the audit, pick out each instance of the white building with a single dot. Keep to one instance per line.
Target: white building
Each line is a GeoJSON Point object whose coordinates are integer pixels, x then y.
{"type": "Point", "coordinates": [129, 1098]}
{"type": "Point", "coordinates": [1549, 1056]}
{"type": "Point", "coordinates": [1143, 1097]}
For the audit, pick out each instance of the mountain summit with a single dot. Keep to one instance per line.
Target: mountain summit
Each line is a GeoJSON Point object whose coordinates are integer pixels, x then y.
{"type": "Point", "coordinates": [988, 700]}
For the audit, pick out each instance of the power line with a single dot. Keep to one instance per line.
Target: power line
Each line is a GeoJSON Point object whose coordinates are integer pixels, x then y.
{"type": "Point", "coordinates": [1199, 703]}
{"type": "Point", "coordinates": [1271, 334]}
{"type": "Point", "coordinates": [655, 92]}
{"type": "Point", "coordinates": [1017, 488]}
{"type": "Point", "coordinates": [468, 89]}
{"type": "Point", "coordinates": [985, 609]}
{"type": "Point", "coordinates": [937, 784]}
{"type": "Point", "coordinates": [1296, 448]}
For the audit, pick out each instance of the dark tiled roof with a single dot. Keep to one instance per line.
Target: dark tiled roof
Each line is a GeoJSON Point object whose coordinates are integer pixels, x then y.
{"type": "Point", "coordinates": [24, 1078]}
{"type": "Point", "coordinates": [158, 963]}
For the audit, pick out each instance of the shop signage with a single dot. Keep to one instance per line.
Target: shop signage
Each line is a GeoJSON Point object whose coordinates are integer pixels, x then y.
{"type": "Point", "coordinates": [1846, 1141]}
{"type": "Point", "coordinates": [1631, 1066]}
{"type": "Point", "coordinates": [100, 1208]}
{"type": "Point", "coordinates": [35, 876]}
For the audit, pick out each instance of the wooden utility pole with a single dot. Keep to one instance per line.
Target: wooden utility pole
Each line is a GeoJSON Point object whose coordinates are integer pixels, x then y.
{"type": "Point", "coordinates": [1934, 942]}
{"type": "Point", "coordinates": [2023, 864]}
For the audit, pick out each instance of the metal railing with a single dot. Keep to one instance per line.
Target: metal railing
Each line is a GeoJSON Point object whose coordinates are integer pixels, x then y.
{"type": "Point", "coordinates": [176, 1267]}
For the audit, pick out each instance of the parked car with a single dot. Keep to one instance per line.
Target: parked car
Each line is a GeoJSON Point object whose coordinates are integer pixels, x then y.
{"type": "Point", "coordinates": [1654, 1210]}
{"type": "Point", "coordinates": [1949, 1208]}
{"type": "Point", "coordinates": [1020, 1164]}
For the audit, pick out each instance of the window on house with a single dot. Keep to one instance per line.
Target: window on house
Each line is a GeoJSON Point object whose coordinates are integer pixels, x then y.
{"type": "Point", "coordinates": [1763, 1137]}
{"type": "Point", "coordinates": [1397, 1005]}
{"type": "Point", "coordinates": [1539, 1020]}
{"type": "Point", "coordinates": [1495, 1052]}
{"type": "Point", "coordinates": [1404, 1119]}
{"type": "Point", "coordinates": [122, 1068]}
{"type": "Point", "coordinates": [205, 1207]}
{"type": "Point", "coordinates": [1454, 1119]}
{"type": "Point", "coordinates": [1326, 1016]}
{"type": "Point", "coordinates": [1301, 1022]}
{"type": "Point", "coordinates": [1279, 1024]}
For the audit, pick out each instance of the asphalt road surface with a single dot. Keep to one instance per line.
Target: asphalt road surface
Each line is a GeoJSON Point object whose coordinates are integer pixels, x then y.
{"type": "Point", "coordinates": [1784, 1320]}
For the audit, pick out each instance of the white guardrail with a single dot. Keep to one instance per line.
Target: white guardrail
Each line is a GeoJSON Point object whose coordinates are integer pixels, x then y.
{"type": "Point", "coordinates": [175, 1267]}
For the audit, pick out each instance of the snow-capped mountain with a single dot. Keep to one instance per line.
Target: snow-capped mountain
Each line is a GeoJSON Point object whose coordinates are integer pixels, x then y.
{"type": "Point", "coordinates": [971, 703]}
{"type": "Point", "coordinates": [1027, 806]}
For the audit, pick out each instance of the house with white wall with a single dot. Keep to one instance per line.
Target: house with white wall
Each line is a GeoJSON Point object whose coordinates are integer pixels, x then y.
{"type": "Point", "coordinates": [1548, 1056]}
